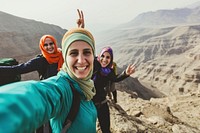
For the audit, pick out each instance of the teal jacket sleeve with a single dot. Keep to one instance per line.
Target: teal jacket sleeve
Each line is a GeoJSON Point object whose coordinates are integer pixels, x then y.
{"type": "Point", "coordinates": [25, 106]}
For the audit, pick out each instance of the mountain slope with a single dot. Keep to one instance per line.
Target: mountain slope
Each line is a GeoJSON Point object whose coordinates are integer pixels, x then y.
{"type": "Point", "coordinates": [20, 37]}
{"type": "Point", "coordinates": [163, 18]}
{"type": "Point", "coordinates": [164, 46]}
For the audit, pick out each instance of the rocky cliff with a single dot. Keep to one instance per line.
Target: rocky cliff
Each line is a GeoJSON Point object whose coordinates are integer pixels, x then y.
{"type": "Point", "coordinates": [20, 36]}
{"type": "Point", "coordinates": [163, 94]}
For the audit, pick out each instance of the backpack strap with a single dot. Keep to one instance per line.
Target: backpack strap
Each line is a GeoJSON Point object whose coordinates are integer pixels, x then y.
{"type": "Point", "coordinates": [73, 110]}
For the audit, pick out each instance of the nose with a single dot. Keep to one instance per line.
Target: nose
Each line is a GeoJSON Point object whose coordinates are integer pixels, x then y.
{"type": "Point", "coordinates": [104, 59]}
{"type": "Point", "coordinates": [81, 58]}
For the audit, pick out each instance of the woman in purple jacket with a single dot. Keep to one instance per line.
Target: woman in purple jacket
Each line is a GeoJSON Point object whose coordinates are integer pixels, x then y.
{"type": "Point", "coordinates": [103, 73]}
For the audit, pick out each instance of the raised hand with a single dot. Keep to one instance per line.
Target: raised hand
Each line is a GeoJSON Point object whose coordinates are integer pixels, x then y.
{"type": "Point", "coordinates": [80, 22]}
{"type": "Point", "coordinates": [130, 69]}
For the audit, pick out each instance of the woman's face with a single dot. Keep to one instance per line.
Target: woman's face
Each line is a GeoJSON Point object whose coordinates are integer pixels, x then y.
{"type": "Point", "coordinates": [105, 59]}
{"type": "Point", "coordinates": [80, 59]}
{"type": "Point", "coordinates": [49, 45]}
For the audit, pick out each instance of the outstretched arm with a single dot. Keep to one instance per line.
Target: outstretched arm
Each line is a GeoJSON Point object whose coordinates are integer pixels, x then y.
{"type": "Point", "coordinates": [80, 21]}
{"type": "Point", "coordinates": [27, 105]}
{"type": "Point", "coordinates": [30, 66]}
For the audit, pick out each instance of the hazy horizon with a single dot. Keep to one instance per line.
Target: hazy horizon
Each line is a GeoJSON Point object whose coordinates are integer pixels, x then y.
{"type": "Point", "coordinates": [99, 15]}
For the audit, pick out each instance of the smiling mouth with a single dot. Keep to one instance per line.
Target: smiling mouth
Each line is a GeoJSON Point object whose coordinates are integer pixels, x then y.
{"type": "Point", "coordinates": [50, 49]}
{"type": "Point", "coordinates": [104, 63]}
{"type": "Point", "coordinates": [81, 68]}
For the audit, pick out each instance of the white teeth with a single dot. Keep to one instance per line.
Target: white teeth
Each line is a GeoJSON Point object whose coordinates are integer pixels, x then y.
{"type": "Point", "coordinates": [81, 68]}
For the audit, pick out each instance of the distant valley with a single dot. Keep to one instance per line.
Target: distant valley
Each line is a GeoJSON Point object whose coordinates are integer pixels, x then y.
{"type": "Point", "coordinates": [165, 51]}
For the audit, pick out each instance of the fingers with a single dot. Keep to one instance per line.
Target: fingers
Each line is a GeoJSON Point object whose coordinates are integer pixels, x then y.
{"type": "Point", "coordinates": [130, 69]}
{"type": "Point", "coordinates": [79, 13]}
{"type": "Point", "coordinates": [80, 20]}
{"type": "Point", "coordinates": [82, 16]}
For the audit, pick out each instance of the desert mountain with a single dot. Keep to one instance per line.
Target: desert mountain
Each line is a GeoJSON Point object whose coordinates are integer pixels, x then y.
{"type": "Point", "coordinates": [166, 57]}
{"type": "Point", "coordinates": [20, 36]}
{"type": "Point", "coordinates": [165, 17]}
{"type": "Point", "coordinates": [164, 46]}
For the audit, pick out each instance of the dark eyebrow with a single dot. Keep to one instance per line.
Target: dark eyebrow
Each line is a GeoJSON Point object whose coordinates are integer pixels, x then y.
{"type": "Point", "coordinates": [87, 49]}
{"type": "Point", "coordinates": [73, 50]}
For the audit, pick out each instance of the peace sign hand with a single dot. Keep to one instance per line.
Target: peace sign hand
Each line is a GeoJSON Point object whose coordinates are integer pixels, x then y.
{"type": "Point", "coordinates": [80, 22]}
{"type": "Point", "coordinates": [130, 69]}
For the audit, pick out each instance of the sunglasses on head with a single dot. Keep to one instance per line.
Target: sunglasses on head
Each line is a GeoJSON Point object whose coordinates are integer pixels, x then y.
{"type": "Point", "coordinates": [107, 57]}
{"type": "Point", "coordinates": [48, 44]}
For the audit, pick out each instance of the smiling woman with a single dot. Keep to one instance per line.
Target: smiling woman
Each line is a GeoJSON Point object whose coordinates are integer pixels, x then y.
{"type": "Point", "coordinates": [36, 102]}
{"type": "Point", "coordinates": [104, 74]}
{"type": "Point", "coordinates": [49, 47]}
{"type": "Point", "coordinates": [80, 58]}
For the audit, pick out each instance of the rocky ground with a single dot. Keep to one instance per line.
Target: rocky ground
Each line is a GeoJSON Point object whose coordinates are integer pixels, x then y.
{"type": "Point", "coordinates": [174, 114]}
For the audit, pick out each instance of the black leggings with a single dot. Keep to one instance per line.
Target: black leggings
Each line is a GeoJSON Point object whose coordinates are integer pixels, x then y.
{"type": "Point", "coordinates": [115, 95]}
{"type": "Point", "coordinates": [103, 115]}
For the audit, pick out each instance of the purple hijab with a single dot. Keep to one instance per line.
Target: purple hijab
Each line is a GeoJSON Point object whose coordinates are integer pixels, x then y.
{"type": "Point", "coordinates": [106, 70]}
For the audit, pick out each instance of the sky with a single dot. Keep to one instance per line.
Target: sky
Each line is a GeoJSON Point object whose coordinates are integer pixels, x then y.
{"type": "Point", "coordinates": [99, 14]}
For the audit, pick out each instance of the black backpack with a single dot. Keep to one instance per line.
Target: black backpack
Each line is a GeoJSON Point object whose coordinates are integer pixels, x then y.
{"type": "Point", "coordinates": [5, 79]}
{"type": "Point", "coordinates": [73, 110]}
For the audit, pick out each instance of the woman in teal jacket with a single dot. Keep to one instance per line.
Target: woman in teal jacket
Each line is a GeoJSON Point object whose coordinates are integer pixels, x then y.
{"type": "Point", "coordinates": [25, 106]}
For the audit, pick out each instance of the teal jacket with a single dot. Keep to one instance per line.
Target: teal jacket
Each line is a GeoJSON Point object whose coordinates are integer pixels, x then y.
{"type": "Point", "coordinates": [26, 105]}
